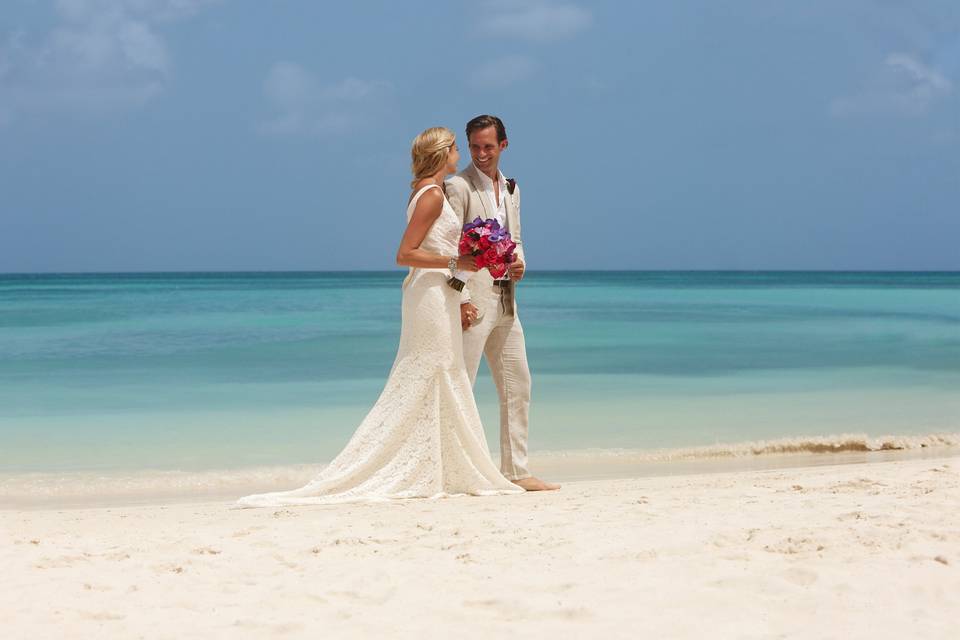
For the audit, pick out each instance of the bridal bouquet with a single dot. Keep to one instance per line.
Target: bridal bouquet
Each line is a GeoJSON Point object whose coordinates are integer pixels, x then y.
{"type": "Point", "coordinates": [490, 243]}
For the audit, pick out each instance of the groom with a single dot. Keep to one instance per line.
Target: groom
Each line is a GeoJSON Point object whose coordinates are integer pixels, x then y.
{"type": "Point", "coordinates": [488, 309]}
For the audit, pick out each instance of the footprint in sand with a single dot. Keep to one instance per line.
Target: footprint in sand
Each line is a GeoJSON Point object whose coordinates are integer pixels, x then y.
{"type": "Point", "coordinates": [60, 562]}
{"type": "Point", "coordinates": [273, 628]}
{"type": "Point", "coordinates": [367, 598]}
{"type": "Point", "coordinates": [853, 515]}
{"type": "Point", "coordinates": [857, 485]}
{"type": "Point", "coordinates": [791, 546]}
{"type": "Point", "coordinates": [168, 568]}
{"type": "Point", "coordinates": [210, 551]}
{"type": "Point", "coordinates": [800, 577]}
{"type": "Point", "coordinates": [101, 615]}
{"type": "Point", "coordinates": [734, 538]}
{"type": "Point", "coordinates": [569, 613]}
{"type": "Point", "coordinates": [289, 565]}
{"type": "Point", "coordinates": [245, 532]}
{"type": "Point", "coordinates": [514, 611]}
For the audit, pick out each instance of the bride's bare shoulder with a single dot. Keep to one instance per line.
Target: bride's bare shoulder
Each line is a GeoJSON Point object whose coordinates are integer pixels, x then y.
{"type": "Point", "coordinates": [430, 195]}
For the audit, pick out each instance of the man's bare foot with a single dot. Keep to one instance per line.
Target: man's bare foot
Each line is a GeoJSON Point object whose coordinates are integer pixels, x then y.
{"type": "Point", "coordinates": [535, 484]}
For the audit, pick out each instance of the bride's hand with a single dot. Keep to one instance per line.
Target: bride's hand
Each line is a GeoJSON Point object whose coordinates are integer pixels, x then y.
{"type": "Point", "coordinates": [468, 315]}
{"type": "Point", "coordinates": [467, 263]}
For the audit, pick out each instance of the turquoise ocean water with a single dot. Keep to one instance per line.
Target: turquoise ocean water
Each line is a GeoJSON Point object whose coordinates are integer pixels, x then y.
{"type": "Point", "coordinates": [222, 370]}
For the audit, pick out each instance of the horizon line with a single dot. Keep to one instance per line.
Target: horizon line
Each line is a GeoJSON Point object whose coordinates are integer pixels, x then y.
{"type": "Point", "coordinates": [402, 270]}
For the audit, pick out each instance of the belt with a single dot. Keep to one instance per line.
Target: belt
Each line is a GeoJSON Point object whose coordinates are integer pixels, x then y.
{"type": "Point", "coordinates": [506, 295]}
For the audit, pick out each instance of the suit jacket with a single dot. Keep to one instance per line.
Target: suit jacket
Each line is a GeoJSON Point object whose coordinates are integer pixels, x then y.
{"type": "Point", "coordinates": [466, 196]}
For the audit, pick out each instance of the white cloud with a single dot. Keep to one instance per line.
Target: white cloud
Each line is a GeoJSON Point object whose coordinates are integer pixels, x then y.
{"type": "Point", "coordinates": [100, 56]}
{"type": "Point", "coordinates": [538, 20]}
{"type": "Point", "coordinates": [904, 86]}
{"type": "Point", "coordinates": [301, 104]}
{"type": "Point", "coordinates": [503, 72]}
{"type": "Point", "coordinates": [531, 20]}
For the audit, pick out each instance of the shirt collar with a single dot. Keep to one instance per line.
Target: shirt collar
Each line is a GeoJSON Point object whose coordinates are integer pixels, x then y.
{"type": "Point", "coordinates": [487, 182]}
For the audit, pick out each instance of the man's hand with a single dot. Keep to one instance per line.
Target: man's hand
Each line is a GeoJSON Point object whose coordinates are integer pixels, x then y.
{"type": "Point", "coordinates": [468, 314]}
{"type": "Point", "coordinates": [516, 271]}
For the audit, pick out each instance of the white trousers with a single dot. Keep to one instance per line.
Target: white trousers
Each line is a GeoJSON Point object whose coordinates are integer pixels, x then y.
{"type": "Point", "coordinates": [499, 337]}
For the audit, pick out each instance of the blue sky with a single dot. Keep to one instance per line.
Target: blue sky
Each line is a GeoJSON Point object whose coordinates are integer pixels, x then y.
{"type": "Point", "coordinates": [220, 134]}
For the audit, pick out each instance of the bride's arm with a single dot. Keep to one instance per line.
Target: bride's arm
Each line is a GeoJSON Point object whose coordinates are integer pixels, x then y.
{"type": "Point", "coordinates": [424, 215]}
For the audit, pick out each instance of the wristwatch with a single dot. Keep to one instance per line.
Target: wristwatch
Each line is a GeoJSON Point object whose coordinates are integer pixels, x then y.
{"type": "Point", "coordinates": [452, 265]}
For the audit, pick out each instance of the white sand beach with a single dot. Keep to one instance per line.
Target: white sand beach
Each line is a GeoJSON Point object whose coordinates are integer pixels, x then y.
{"type": "Point", "coordinates": [846, 551]}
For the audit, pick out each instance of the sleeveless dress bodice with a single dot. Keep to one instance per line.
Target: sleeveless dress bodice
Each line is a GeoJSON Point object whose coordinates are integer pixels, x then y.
{"type": "Point", "coordinates": [442, 238]}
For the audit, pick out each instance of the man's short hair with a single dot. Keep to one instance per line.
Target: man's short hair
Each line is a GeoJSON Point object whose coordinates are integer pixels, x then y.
{"type": "Point", "coordinates": [484, 121]}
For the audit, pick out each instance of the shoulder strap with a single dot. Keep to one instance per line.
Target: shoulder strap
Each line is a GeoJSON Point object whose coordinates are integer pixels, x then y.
{"type": "Point", "coordinates": [416, 196]}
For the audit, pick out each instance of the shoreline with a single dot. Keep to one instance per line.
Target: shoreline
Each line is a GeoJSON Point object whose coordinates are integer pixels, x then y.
{"type": "Point", "coordinates": [127, 487]}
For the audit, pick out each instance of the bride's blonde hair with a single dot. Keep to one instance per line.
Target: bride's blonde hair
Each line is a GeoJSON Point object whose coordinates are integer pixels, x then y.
{"type": "Point", "coordinates": [429, 152]}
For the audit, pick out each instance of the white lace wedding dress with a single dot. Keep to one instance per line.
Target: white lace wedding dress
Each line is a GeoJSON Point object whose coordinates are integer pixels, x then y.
{"type": "Point", "coordinates": [423, 438]}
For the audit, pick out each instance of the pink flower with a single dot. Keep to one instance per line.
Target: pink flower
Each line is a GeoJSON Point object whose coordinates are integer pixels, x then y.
{"type": "Point", "coordinates": [498, 271]}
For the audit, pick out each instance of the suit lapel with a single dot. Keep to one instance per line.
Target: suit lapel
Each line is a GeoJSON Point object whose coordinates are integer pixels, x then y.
{"type": "Point", "coordinates": [513, 216]}
{"type": "Point", "coordinates": [478, 189]}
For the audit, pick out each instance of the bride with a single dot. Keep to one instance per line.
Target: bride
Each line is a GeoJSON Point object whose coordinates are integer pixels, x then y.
{"type": "Point", "coordinates": [423, 437]}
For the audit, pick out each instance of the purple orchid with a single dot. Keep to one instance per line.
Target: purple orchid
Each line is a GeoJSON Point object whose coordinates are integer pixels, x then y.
{"type": "Point", "coordinates": [477, 222]}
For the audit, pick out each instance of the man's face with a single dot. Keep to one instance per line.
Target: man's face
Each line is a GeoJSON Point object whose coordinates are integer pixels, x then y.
{"type": "Point", "coordinates": [485, 150]}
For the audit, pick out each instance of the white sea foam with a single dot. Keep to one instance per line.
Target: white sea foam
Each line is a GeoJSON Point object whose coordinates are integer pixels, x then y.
{"type": "Point", "coordinates": [846, 442]}
{"type": "Point", "coordinates": [26, 490]}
